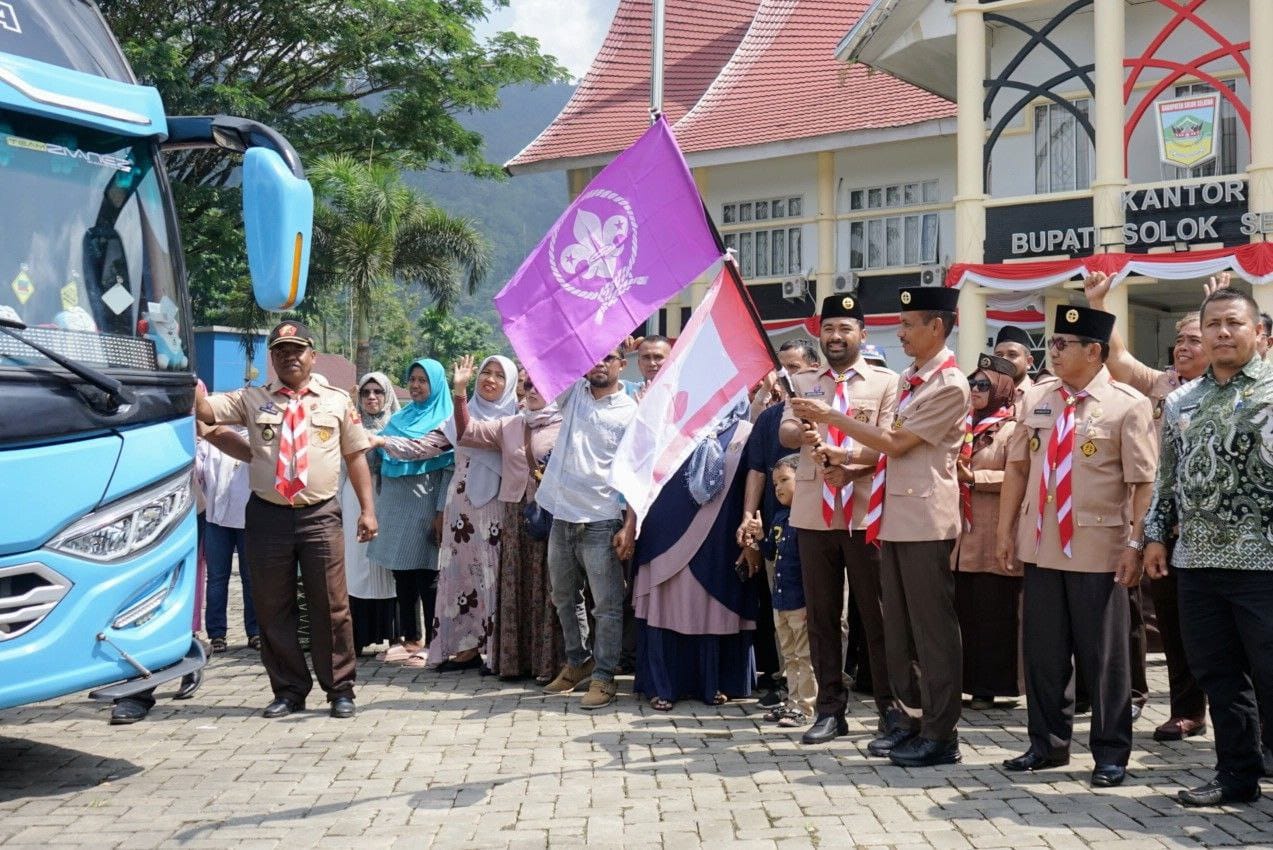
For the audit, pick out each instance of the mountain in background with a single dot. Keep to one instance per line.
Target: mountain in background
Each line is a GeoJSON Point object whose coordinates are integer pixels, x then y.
{"type": "Point", "coordinates": [514, 213]}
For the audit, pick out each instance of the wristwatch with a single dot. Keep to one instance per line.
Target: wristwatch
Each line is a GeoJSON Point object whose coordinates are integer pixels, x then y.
{"type": "Point", "coordinates": [1138, 545]}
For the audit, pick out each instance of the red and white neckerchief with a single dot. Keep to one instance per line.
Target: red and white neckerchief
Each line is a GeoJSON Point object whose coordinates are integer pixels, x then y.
{"type": "Point", "coordinates": [291, 473]}
{"type": "Point", "coordinates": [838, 438]}
{"type": "Point", "coordinates": [1060, 460]}
{"type": "Point", "coordinates": [875, 504]}
{"type": "Point", "coordinates": [971, 433]}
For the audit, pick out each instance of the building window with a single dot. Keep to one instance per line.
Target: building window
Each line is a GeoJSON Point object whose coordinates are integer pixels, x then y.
{"type": "Point", "coordinates": [1062, 150]}
{"type": "Point", "coordinates": [769, 251]}
{"type": "Point", "coordinates": [1226, 159]}
{"type": "Point", "coordinates": [905, 240]}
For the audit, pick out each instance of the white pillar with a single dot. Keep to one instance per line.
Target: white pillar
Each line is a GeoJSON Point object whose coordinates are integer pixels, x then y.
{"type": "Point", "coordinates": [970, 189]}
{"type": "Point", "coordinates": [1260, 171]}
{"type": "Point", "coordinates": [1108, 118]}
{"type": "Point", "coordinates": [825, 223]}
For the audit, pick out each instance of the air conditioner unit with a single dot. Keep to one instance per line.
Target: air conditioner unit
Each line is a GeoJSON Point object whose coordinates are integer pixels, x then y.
{"type": "Point", "coordinates": [844, 283]}
{"type": "Point", "coordinates": [932, 275]}
{"type": "Point", "coordinates": [795, 289]}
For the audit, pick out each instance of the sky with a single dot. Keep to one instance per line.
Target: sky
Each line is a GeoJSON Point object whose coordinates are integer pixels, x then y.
{"type": "Point", "coordinates": [571, 30]}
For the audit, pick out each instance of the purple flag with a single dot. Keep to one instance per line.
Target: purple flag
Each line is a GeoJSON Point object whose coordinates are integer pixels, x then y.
{"type": "Point", "coordinates": [632, 239]}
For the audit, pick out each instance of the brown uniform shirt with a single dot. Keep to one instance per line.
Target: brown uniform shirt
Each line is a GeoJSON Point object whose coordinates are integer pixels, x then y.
{"type": "Point", "coordinates": [1113, 449]}
{"type": "Point", "coordinates": [1022, 388]}
{"type": "Point", "coordinates": [335, 430]}
{"type": "Point", "coordinates": [1156, 385]}
{"type": "Point", "coordinates": [978, 546]}
{"type": "Point", "coordinates": [921, 489]}
{"type": "Point", "coordinates": [873, 396]}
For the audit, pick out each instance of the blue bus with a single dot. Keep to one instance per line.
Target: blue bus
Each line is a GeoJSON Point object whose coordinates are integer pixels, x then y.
{"type": "Point", "coordinates": [97, 518]}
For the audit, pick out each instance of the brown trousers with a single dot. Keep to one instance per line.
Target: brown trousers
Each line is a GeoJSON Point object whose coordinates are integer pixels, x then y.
{"type": "Point", "coordinates": [825, 558]}
{"type": "Point", "coordinates": [921, 634]}
{"type": "Point", "coordinates": [279, 538]}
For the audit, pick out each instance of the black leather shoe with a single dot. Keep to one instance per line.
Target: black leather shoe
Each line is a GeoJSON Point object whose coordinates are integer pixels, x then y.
{"type": "Point", "coordinates": [342, 707]}
{"type": "Point", "coordinates": [884, 744]}
{"type": "Point", "coordinates": [826, 728]}
{"type": "Point", "coordinates": [189, 684]}
{"type": "Point", "coordinates": [453, 666]}
{"type": "Point", "coordinates": [128, 711]}
{"type": "Point", "coordinates": [1267, 756]}
{"type": "Point", "coordinates": [1214, 794]}
{"type": "Point", "coordinates": [282, 707]}
{"type": "Point", "coordinates": [1108, 775]}
{"type": "Point", "coordinates": [1036, 761]}
{"type": "Point", "coordinates": [925, 752]}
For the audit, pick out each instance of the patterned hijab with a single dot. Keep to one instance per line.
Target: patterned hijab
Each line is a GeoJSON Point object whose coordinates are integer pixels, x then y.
{"type": "Point", "coordinates": [375, 424]}
{"type": "Point", "coordinates": [417, 419]}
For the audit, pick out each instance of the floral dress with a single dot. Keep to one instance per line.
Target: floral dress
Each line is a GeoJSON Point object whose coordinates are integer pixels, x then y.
{"type": "Point", "coordinates": [467, 569]}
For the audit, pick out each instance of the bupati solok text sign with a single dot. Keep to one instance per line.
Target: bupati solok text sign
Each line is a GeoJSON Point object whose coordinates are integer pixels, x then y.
{"type": "Point", "coordinates": [1187, 129]}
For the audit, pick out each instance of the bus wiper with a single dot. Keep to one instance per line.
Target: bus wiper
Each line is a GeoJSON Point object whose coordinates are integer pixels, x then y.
{"type": "Point", "coordinates": [115, 392]}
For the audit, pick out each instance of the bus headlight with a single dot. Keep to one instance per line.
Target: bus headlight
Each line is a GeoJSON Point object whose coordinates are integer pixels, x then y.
{"type": "Point", "coordinates": [128, 525]}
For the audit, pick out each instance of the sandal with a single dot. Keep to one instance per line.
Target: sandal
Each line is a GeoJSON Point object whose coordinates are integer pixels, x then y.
{"type": "Point", "coordinates": [774, 714]}
{"type": "Point", "coordinates": [719, 699]}
{"type": "Point", "coordinates": [792, 719]}
{"type": "Point", "coordinates": [660, 704]}
{"type": "Point", "coordinates": [219, 644]}
{"type": "Point", "coordinates": [417, 660]}
{"type": "Point", "coordinates": [397, 652]}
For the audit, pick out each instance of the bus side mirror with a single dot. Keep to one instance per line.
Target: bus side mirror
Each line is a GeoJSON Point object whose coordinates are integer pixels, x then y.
{"type": "Point", "coordinates": [278, 217]}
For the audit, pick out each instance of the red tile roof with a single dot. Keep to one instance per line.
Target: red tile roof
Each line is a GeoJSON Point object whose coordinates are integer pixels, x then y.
{"type": "Point", "coordinates": [738, 73]}
{"type": "Point", "coordinates": [610, 108]}
{"type": "Point", "coordinates": [785, 83]}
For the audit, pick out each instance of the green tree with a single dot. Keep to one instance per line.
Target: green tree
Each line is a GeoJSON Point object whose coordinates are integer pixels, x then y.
{"type": "Point", "coordinates": [380, 80]}
{"type": "Point", "coordinates": [445, 337]}
{"type": "Point", "coordinates": [371, 229]}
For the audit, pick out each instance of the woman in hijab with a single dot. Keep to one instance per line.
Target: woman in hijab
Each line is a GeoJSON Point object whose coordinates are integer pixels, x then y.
{"type": "Point", "coordinates": [473, 526]}
{"type": "Point", "coordinates": [987, 598]}
{"type": "Point", "coordinates": [412, 484]}
{"type": "Point", "coordinates": [372, 598]}
{"type": "Point", "coordinates": [695, 612]}
{"type": "Point", "coordinates": [527, 640]}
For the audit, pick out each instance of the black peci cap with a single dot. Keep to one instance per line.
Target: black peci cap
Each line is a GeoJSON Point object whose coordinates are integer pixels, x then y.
{"type": "Point", "coordinates": [992, 363]}
{"type": "Point", "coordinates": [929, 298]}
{"type": "Point", "coordinates": [291, 331]}
{"type": "Point", "coordinates": [1084, 322]}
{"type": "Point", "coordinates": [1012, 333]}
{"type": "Point", "coordinates": [841, 307]}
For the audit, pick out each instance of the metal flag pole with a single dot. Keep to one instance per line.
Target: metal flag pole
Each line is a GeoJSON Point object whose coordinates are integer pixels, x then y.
{"type": "Point", "coordinates": [656, 59]}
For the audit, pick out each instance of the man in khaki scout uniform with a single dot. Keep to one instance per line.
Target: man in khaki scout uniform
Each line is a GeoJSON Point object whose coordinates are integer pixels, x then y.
{"type": "Point", "coordinates": [1080, 473]}
{"type": "Point", "coordinates": [299, 429]}
{"type": "Point", "coordinates": [1188, 361]}
{"type": "Point", "coordinates": [913, 509]}
{"type": "Point", "coordinates": [829, 510]}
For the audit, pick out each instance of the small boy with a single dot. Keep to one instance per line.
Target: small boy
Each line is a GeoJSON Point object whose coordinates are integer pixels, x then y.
{"type": "Point", "coordinates": [788, 601]}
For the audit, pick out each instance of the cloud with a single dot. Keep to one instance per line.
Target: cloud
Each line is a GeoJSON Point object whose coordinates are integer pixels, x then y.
{"type": "Point", "coordinates": [571, 30]}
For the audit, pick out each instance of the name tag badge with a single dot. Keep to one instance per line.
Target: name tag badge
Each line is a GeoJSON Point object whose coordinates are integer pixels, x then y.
{"type": "Point", "coordinates": [1043, 411]}
{"type": "Point", "coordinates": [815, 392]}
{"type": "Point", "coordinates": [268, 407]}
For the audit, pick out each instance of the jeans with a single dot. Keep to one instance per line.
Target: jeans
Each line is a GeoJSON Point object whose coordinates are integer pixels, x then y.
{"type": "Point", "coordinates": [219, 546]}
{"type": "Point", "coordinates": [579, 552]}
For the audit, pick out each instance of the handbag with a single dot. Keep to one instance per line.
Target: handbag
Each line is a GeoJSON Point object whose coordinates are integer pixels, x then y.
{"type": "Point", "coordinates": [539, 522]}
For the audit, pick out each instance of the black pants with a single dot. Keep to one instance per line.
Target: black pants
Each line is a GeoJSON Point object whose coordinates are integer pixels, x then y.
{"type": "Point", "coordinates": [1187, 698]}
{"type": "Point", "coordinates": [416, 589]}
{"type": "Point", "coordinates": [1078, 617]}
{"type": "Point", "coordinates": [1226, 620]}
{"type": "Point", "coordinates": [278, 538]}
{"type": "Point", "coordinates": [826, 557]}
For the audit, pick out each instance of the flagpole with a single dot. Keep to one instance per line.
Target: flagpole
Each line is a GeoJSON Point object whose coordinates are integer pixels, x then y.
{"type": "Point", "coordinates": [656, 60]}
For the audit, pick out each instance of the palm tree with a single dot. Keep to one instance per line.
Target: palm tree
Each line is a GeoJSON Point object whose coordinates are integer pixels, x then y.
{"type": "Point", "coordinates": [370, 228]}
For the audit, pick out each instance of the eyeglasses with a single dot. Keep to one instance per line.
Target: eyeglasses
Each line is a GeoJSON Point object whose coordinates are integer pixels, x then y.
{"type": "Point", "coordinates": [611, 358]}
{"type": "Point", "coordinates": [1060, 343]}
{"type": "Point", "coordinates": [982, 386]}
{"type": "Point", "coordinates": [366, 391]}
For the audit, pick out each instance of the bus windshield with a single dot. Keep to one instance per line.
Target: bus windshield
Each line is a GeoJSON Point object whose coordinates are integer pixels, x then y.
{"type": "Point", "coordinates": [88, 255]}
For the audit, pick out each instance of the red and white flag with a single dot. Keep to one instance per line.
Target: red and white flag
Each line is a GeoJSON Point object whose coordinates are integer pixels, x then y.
{"type": "Point", "coordinates": [721, 353]}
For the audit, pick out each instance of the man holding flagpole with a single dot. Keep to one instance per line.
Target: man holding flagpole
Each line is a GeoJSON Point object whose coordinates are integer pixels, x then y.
{"type": "Point", "coordinates": [913, 510]}
{"type": "Point", "coordinates": [829, 511]}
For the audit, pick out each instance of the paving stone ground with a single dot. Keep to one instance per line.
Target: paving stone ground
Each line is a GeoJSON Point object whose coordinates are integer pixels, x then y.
{"type": "Point", "coordinates": [458, 760]}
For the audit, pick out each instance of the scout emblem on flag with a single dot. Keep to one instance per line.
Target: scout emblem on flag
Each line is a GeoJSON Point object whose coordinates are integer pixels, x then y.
{"type": "Point", "coordinates": [22, 285]}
